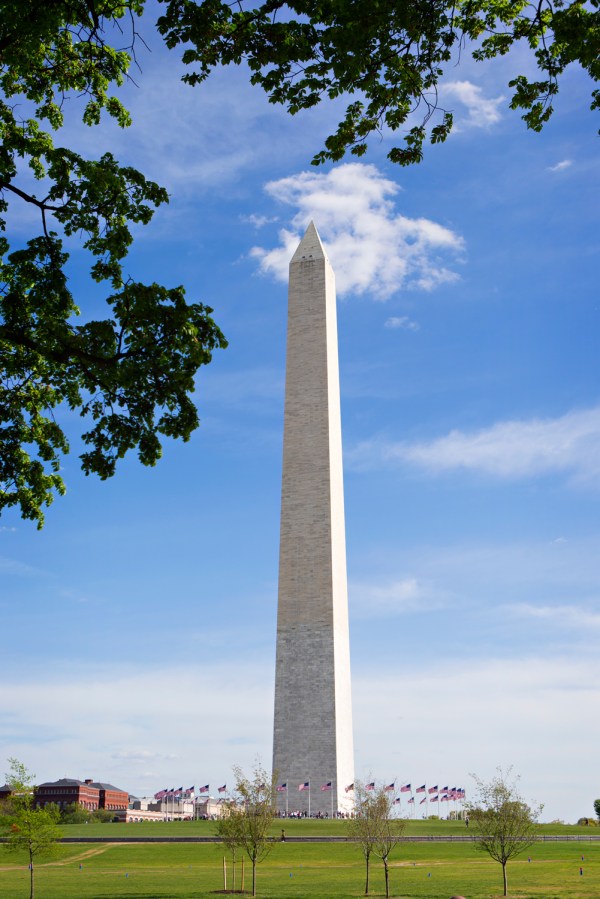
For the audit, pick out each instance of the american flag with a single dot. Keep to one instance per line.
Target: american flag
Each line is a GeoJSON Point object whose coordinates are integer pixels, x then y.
{"type": "Point", "coordinates": [304, 786]}
{"type": "Point", "coordinates": [435, 799]}
{"type": "Point", "coordinates": [370, 786]}
{"type": "Point", "coordinates": [412, 799]}
{"type": "Point", "coordinates": [397, 800]}
{"type": "Point", "coordinates": [349, 788]}
{"type": "Point", "coordinates": [445, 797]}
{"type": "Point", "coordinates": [282, 788]}
{"type": "Point", "coordinates": [390, 787]}
{"type": "Point", "coordinates": [405, 788]}
{"type": "Point", "coordinates": [326, 786]}
{"type": "Point", "coordinates": [420, 789]}
{"type": "Point", "coordinates": [203, 789]}
{"type": "Point", "coordinates": [423, 800]}
{"type": "Point", "coordinates": [222, 789]}
{"type": "Point", "coordinates": [433, 789]}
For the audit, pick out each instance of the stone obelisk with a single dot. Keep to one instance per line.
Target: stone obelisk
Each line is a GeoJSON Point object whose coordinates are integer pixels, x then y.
{"type": "Point", "coordinates": [312, 745]}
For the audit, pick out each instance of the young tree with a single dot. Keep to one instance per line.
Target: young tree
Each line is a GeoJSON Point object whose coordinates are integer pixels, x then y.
{"type": "Point", "coordinates": [390, 834]}
{"type": "Point", "coordinates": [229, 832]}
{"type": "Point", "coordinates": [373, 826]}
{"type": "Point", "coordinates": [503, 824]}
{"type": "Point", "coordinates": [250, 816]}
{"type": "Point", "coordinates": [28, 829]}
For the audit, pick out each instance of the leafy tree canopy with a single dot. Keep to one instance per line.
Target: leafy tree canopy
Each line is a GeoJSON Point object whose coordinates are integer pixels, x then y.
{"type": "Point", "coordinates": [391, 55]}
{"type": "Point", "coordinates": [131, 374]}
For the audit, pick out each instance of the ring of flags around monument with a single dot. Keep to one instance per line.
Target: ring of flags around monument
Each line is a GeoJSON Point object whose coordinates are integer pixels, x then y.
{"type": "Point", "coordinates": [431, 794]}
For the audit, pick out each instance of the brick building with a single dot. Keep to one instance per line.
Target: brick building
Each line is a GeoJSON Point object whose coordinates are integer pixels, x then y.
{"type": "Point", "coordinates": [88, 794]}
{"type": "Point", "coordinates": [111, 798]}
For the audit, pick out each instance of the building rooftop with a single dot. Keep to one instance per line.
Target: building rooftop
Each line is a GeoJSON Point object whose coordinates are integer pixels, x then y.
{"type": "Point", "coordinates": [102, 786]}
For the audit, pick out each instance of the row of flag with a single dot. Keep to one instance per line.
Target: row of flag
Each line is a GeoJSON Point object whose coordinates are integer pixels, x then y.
{"type": "Point", "coordinates": [180, 793]}
{"type": "Point", "coordinates": [442, 794]}
{"type": "Point", "coordinates": [434, 794]}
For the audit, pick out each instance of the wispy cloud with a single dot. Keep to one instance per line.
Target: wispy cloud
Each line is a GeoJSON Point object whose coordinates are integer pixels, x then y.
{"type": "Point", "coordinates": [523, 706]}
{"type": "Point", "coordinates": [97, 718]}
{"type": "Point", "coordinates": [14, 566]}
{"type": "Point", "coordinates": [561, 166]}
{"type": "Point", "coordinates": [373, 248]}
{"type": "Point", "coordinates": [574, 617]}
{"type": "Point", "coordinates": [510, 449]}
{"type": "Point", "coordinates": [403, 322]}
{"type": "Point", "coordinates": [394, 598]}
{"type": "Point", "coordinates": [259, 221]}
{"type": "Point", "coordinates": [481, 112]}
{"type": "Point", "coordinates": [140, 755]}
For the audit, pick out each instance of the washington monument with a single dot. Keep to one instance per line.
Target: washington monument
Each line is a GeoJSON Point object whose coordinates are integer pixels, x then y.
{"type": "Point", "coordinates": [312, 747]}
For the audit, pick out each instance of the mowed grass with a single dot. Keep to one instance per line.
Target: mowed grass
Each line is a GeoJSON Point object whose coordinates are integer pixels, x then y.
{"type": "Point", "coordinates": [310, 827]}
{"type": "Point", "coordinates": [300, 871]}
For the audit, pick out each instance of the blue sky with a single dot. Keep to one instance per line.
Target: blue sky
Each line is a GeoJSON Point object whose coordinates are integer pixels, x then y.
{"type": "Point", "coordinates": [139, 625]}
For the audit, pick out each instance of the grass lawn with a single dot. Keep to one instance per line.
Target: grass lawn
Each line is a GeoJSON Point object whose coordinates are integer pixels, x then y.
{"type": "Point", "coordinates": [309, 828]}
{"type": "Point", "coordinates": [300, 871]}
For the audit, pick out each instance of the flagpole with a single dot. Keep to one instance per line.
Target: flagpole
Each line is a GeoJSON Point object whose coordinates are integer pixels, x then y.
{"type": "Point", "coordinates": [332, 800]}
{"type": "Point", "coordinates": [309, 799]}
{"type": "Point", "coordinates": [287, 793]}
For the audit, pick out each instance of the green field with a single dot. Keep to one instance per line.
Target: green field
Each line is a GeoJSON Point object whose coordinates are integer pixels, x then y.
{"type": "Point", "coordinates": [311, 827]}
{"type": "Point", "coordinates": [301, 870]}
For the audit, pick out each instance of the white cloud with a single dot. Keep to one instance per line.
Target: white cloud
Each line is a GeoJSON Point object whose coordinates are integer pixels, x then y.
{"type": "Point", "coordinates": [509, 449]}
{"type": "Point", "coordinates": [572, 616]}
{"type": "Point", "coordinates": [482, 112]}
{"type": "Point", "coordinates": [561, 166]}
{"type": "Point", "coordinates": [394, 598]}
{"type": "Point", "coordinates": [442, 721]}
{"type": "Point", "coordinates": [194, 721]}
{"type": "Point", "coordinates": [403, 322]}
{"type": "Point", "coordinates": [474, 579]}
{"type": "Point", "coordinates": [372, 248]}
{"type": "Point", "coordinates": [101, 721]}
{"type": "Point", "coordinates": [140, 755]}
{"type": "Point", "coordinates": [259, 221]}
{"type": "Point", "coordinates": [14, 566]}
